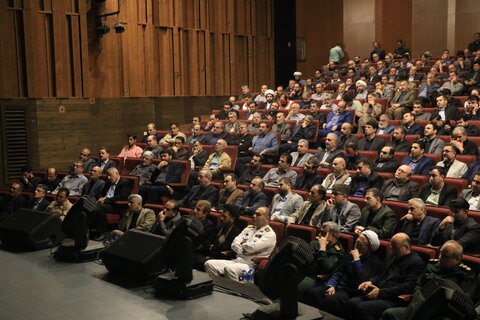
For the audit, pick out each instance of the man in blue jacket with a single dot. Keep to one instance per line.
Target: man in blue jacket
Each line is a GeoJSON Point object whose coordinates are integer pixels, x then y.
{"type": "Point", "coordinates": [335, 119]}
{"type": "Point", "coordinates": [417, 161]}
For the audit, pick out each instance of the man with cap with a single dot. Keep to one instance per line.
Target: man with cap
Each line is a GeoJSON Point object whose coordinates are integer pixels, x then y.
{"type": "Point", "coordinates": [371, 142]}
{"type": "Point", "coordinates": [269, 99]}
{"type": "Point", "coordinates": [338, 209]}
{"type": "Point", "coordinates": [459, 227]}
{"type": "Point", "coordinates": [255, 241]}
{"type": "Point", "coordinates": [361, 89]}
{"type": "Point", "coordinates": [362, 263]}
{"type": "Point", "coordinates": [297, 76]}
{"type": "Point", "coordinates": [448, 266]}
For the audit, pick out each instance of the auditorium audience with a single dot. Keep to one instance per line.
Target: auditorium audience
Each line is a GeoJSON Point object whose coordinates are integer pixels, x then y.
{"type": "Point", "coordinates": [273, 176]}
{"type": "Point", "coordinates": [74, 182]}
{"type": "Point", "coordinates": [169, 138]}
{"type": "Point", "coordinates": [398, 143]}
{"type": "Point", "coordinates": [13, 201]}
{"type": "Point", "coordinates": [230, 194]}
{"type": "Point", "coordinates": [340, 210]}
{"type": "Point", "coordinates": [453, 167]}
{"type": "Point", "coordinates": [386, 161]}
{"type": "Point", "coordinates": [254, 198]}
{"type": "Point", "coordinates": [364, 179]}
{"type": "Point", "coordinates": [417, 161]}
{"type": "Point", "coordinates": [339, 175]}
{"type": "Point", "coordinates": [105, 163]}
{"type": "Point", "coordinates": [135, 218]}
{"type": "Point", "coordinates": [94, 185]}
{"type": "Point", "coordinates": [145, 169]}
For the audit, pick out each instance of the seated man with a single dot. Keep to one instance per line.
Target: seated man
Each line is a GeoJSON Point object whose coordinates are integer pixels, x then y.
{"type": "Point", "coordinates": [453, 167]}
{"type": "Point", "coordinates": [338, 209]}
{"type": "Point", "coordinates": [294, 113]}
{"type": "Point", "coordinates": [254, 170]}
{"type": "Point", "coordinates": [254, 198]}
{"type": "Point", "coordinates": [398, 143]}
{"type": "Point", "coordinates": [445, 110]}
{"type": "Point", "coordinates": [203, 191]}
{"type": "Point", "coordinates": [273, 176]}
{"type": "Point", "coordinates": [285, 202]}
{"type": "Point", "coordinates": [242, 139]}
{"type": "Point", "coordinates": [305, 130]}
{"type": "Point", "coordinates": [219, 161]}
{"type": "Point", "coordinates": [105, 163]}
{"type": "Point", "coordinates": [364, 179]}
{"type": "Point", "coordinates": [371, 142]}
{"type": "Point", "coordinates": [410, 126]}
{"type": "Point", "coordinates": [352, 156]}
{"type": "Point", "coordinates": [153, 146]}
{"type": "Point", "coordinates": [301, 156]}
{"type": "Point", "coordinates": [178, 150]}
{"type": "Point", "coordinates": [460, 140]}
{"type": "Point", "coordinates": [167, 219]}
{"type": "Point", "coordinates": [116, 189]}
{"type": "Point", "coordinates": [253, 242]}
{"type": "Point", "coordinates": [207, 236]}
{"type": "Point", "coordinates": [328, 254]}
{"type": "Point", "coordinates": [13, 201]}
{"type": "Point", "coordinates": [376, 216]}
{"type": "Point", "coordinates": [317, 114]}
{"type": "Point", "coordinates": [311, 210]}
{"type": "Point", "coordinates": [198, 156]}
{"type": "Point", "coordinates": [145, 169]}
{"type": "Point", "coordinates": [419, 163]}
{"type": "Point", "coordinates": [433, 144]}
{"type": "Point", "coordinates": [309, 178]}
{"type": "Point", "coordinates": [326, 156]}
{"type": "Point", "coordinates": [448, 266]}
{"type": "Point", "coordinates": [135, 218]}
{"type": "Point", "coordinates": [87, 162]}
{"type": "Point", "coordinates": [345, 136]}
{"type": "Point", "coordinates": [52, 180]}
{"type": "Point", "coordinates": [384, 126]}
{"type": "Point", "coordinates": [400, 102]}
{"type": "Point", "coordinates": [39, 202]}
{"type": "Point", "coordinates": [222, 242]}
{"type": "Point", "coordinates": [459, 227]}
{"type": "Point", "coordinates": [335, 119]}
{"type": "Point", "coordinates": [400, 188]}
{"type": "Point", "coordinates": [418, 112]}
{"type": "Point", "coordinates": [473, 195]}
{"type": "Point", "coordinates": [157, 186]}
{"type": "Point", "coordinates": [416, 224]}
{"type": "Point", "coordinates": [74, 181]}
{"type": "Point", "coordinates": [282, 127]}
{"type": "Point", "coordinates": [151, 130]}
{"type": "Point", "coordinates": [230, 194]}
{"type": "Point", "coordinates": [437, 192]}
{"type": "Point", "coordinates": [61, 205]}
{"type": "Point", "coordinates": [28, 181]}
{"type": "Point", "coordinates": [94, 185]}
{"type": "Point", "coordinates": [254, 126]}
{"type": "Point", "coordinates": [131, 150]}
{"type": "Point", "coordinates": [386, 161]}
{"type": "Point", "coordinates": [369, 111]}
{"type": "Point", "coordinates": [361, 263]}
{"type": "Point", "coordinates": [402, 267]}
{"type": "Point", "coordinates": [339, 175]}
{"type": "Point", "coordinates": [196, 135]}
{"type": "Point", "coordinates": [169, 138]}
{"type": "Point", "coordinates": [462, 121]}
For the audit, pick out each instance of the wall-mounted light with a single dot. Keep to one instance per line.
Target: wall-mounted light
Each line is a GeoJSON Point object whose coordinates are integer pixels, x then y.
{"type": "Point", "coordinates": [102, 28]}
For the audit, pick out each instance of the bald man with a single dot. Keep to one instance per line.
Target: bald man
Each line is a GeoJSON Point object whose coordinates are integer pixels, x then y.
{"type": "Point", "coordinates": [339, 175]}
{"type": "Point", "coordinates": [400, 188]}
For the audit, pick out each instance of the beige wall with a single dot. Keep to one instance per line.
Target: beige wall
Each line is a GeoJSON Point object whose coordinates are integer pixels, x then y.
{"type": "Point", "coordinates": [429, 26]}
{"type": "Point", "coordinates": [358, 26]}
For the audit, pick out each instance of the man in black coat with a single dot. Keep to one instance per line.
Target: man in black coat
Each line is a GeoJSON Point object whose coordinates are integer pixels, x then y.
{"type": "Point", "coordinates": [105, 163]}
{"type": "Point", "coordinates": [254, 198]}
{"type": "Point", "coordinates": [386, 161]}
{"type": "Point", "coordinates": [459, 227]}
{"type": "Point", "coordinates": [203, 191]}
{"type": "Point", "coordinates": [39, 202]}
{"type": "Point", "coordinates": [402, 267]}
{"type": "Point", "coordinates": [365, 178]}
{"type": "Point", "coordinates": [326, 156]}
{"type": "Point", "coordinates": [167, 171]}
{"type": "Point", "coordinates": [309, 178]}
{"type": "Point", "coordinates": [437, 192]}
{"type": "Point", "coordinates": [371, 142]}
{"type": "Point", "coordinates": [13, 201]}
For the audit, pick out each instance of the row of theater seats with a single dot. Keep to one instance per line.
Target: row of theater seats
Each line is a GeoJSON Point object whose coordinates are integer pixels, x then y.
{"type": "Point", "coordinates": [307, 233]}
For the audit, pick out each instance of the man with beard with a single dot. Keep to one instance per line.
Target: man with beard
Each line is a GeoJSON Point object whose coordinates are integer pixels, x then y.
{"type": "Point", "coordinates": [284, 129]}
{"type": "Point", "coordinates": [437, 192]}
{"type": "Point", "coordinates": [371, 142]}
{"type": "Point", "coordinates": [311, 210]}
{"type": "Point", "coordinates": [94, 185]}
{"type": "Point", "coordinates": [52, 180]}
{"type": "Point", "coordinates": [153, 146]}
{"type": "Point", "coordinates": [230, 194]}
{"type": "Point", "coordinates": [410, 126]}
{"type": "Point", "coordinates": [167, 219]}
{"type": "Point", "coordinates": [338, 209]}
{"type": "Point", "coordinates": [273, 176]}
{"type": "Point", "coordinates": [473, 195]}
{"type": "Point", "coordinates": [269, 95]}
{"type": "Point", "coordinates": [285, 202]}
{"type": "Point", "coordinates": [454, 168]}
{"type": "Point", "coordinates": [398, 143]}
{"type": "Point", "coordinates": [419, 163]}
{"type": "Point", "coordinates": [346, 135]}
{"type": "Point", "coordinates": [203, 191]}
{"type": "Point", "coordinates": [254, 170]}
{"type": "Point", "coordinates": [433, 144]}
{"type": "Point", "coordinates": [386, 161]}
{"type": "Point", "coordinates": [325, 157]}
{"type": "Point", "coordinates": [309, 177]}
{"type": "Point", "coordinates": [301, 156]}
{"type": "Point", "coordinates": [242, 139]}
{"type": "Point", "coordinates": [254, 198]}
{"type": "Point", "coordinates": [131, 150]}
{"type": "Point", "coordinates": [376, 216]}
{"type": "Point", "coordinates": [400, 188]}
{"type": "Point", "coordinates": [352, 156]}
{"type": "Point", "coordinates": [364, 179]}
{"type": "Point", "coordinates": [272, 112]}
{"type": "Point", "coordinates": [339, 176]}
{"type": "Point", "coordinates": [316, 113]}
{"type": "Point", "coordinates": [460, 140]}
{"type": "Point", "coordinates": [462, 121]}
{"type": "Point", "coordinates": [145, 169]}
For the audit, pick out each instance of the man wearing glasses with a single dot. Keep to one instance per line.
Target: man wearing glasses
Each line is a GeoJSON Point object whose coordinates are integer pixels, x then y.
{"type": "Point", "coordinates": [338, 209]}
{"type": "Point", "coordinates": [167, 219]}
{"type": "Point", "coordinates": [437, 192]}
{"type": "Point", "coordinates": [218, 133]}
{"type": "Point", "coordinates": [459, 227]}
{"type": "Point", "coordinates": [386, 161]}
{"type": "Point", "coordinates": [454, 168]}
{"type": "Point", "coordinates": [87, 162]}
{"type": "Point", "coordinates": [460, 140]}
{"type": "Point", "coordinates": [233, 125]}
{"type": "Point", "coordinates": [196, 135]}
{"type": "Point", "coordinates": [309, 178]}
{"type": "Point", "coordinates": [416, 224]}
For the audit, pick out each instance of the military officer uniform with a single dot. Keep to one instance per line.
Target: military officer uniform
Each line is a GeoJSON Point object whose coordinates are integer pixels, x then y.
{"type": "Point", "coordinates": [461, 274]}
{"type": "Point", "coordinates": [249, 244]}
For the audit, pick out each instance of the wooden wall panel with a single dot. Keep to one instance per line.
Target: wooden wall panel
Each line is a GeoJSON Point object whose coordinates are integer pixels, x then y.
{"type": "Point", "coordinates": [396, 23]}
{"type": "Point", "coordinates": [467, 22]}
{"type": "Point", "coordinates": [358, 26]}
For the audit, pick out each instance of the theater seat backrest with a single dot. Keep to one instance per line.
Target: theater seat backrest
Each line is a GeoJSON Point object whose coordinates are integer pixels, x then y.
{"type": "Point", "coordinates": [306, 233]}
{"type": "Point", "coordinates": [279, 229]}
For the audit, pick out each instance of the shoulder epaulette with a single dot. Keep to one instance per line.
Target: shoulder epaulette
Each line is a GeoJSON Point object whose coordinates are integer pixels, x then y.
{"type": "Point", "coordinates": [433, 260]}
{"type": "Point", "coordinates": [250, 226]}
{"type": "Point", "coordinates": [267, 229]}
{"type": "Point", "coordinates": [464, 266]}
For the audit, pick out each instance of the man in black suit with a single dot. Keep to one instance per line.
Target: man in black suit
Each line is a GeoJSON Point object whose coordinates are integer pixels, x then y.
{"type": "Point", "coordinates": [203, 191]}
{"type": "Point", "coordinates": [28, 181]}
{"type": "Point", "coordinates": [325, 157]}
{"type": "Point", "coordinates": [254, 198]}
{"type": "Point", "coordinates": [371, 142]}
{"type": "Point", "coordinates": [39, 202]}
{"type": "Point", "coordinates": [365, 178]}
{"type": "Point", "coordinates": [13, 201]}
{"type": "Point", "coordinates": [167, 171]}
{"type": "Point", "coordinates": [309, 178]}
{"type": "Point", "coordinates": [386, 161]}
{"type": "Point", "coordinates": [105, 163]}
{"type": "Point", "coordinates": [437, 192]}
{"type": "Point", "coordinates": [400, 188]}
{"type": "Point", "coordinates": [94, 185]}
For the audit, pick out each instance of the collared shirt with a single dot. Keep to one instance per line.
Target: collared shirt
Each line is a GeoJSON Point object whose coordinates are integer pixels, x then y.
{"type": "Point", "coordinates": [473, 202]}
{"type": "Point", "coordinates": [111, 190]}
{"type": "Point", "coordinates": [360, 192]}
{"type": "Point", "coordinates": [278, 208]}
{"type": "Point", "coordinates": [413, 164]}
{"type": "Point", "coordinates": [442, 114]}
{"type": "Point", "coordinates": [74, 183]}
{"type": "Point", "coordinates": [214, 162]}
{"type": "Point", "coordinates": [433, 197]}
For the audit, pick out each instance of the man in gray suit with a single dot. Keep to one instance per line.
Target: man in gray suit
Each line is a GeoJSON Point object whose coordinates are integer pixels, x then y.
{"type": "Point", "coordinates": [473, 195]}
{"type": "Point", "coordinates": [338, 209]}
{"type": "Point", "coordinates": [326, 157]}
{"type": "Point", "coordinates": [301, 156]}
{"type": "Point", "coordinates": [400, 188]}
{"type": "Point", "coordinates": [455, 169]}
{"type": "Point", "coordinates": [433, 144]}
{"type": "Point", "coordinates": [285, 203]}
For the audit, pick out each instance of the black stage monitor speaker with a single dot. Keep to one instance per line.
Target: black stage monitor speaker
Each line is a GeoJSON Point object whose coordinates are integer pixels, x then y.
{"type": "Point", "coordinates": [135, 254]}
{"type": "Point", "coordinates": [31, 229]}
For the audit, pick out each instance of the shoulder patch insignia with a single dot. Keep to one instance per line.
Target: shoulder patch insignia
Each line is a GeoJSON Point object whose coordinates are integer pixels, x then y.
{"type": "Point", "coordinates": [463, 266]}
{"type": "Point", "coordinates": [337, 247]}
{"type": "Point", "coordinates": [250, 226]}
{"type": "Point", "coordinates": [433, 260]}
{"type": "Point", "coordinates": [267, 229]}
